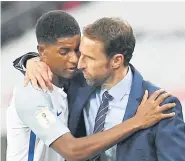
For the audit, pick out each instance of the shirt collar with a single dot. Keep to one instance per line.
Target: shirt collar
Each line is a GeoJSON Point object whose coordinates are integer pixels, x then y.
{"type": "Point", "coordinates": [121, 88]}
{"type": "Point", "coordinates": [60, 90]}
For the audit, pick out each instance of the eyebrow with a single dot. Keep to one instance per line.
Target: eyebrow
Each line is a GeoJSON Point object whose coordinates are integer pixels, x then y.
{"type": "Point", "coordinates": [89, 56]}
{"type": "Point", "coordinates": [64, 48]}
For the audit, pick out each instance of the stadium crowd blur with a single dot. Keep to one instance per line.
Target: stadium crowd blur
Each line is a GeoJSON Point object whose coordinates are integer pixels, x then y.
{"type": "Point", "coordinates": [18, 17]}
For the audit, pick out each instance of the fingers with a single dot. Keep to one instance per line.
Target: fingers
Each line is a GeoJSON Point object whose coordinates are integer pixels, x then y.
{"type": "Point", "coordinates": [162, 97]}
{"type": "Point", "coordinates": [43, 79]}
{"type": "Point", "coordinates": [168, 115]}
{"type": "Point", "coordinates": [50, 74]}
{"type": "Point", "coordinates": [31, 66]}
{"type": "Point", "coordinates": [34, 82]}
{"type": "Point", "coordinates": [48, 78]}
{"type": "Point", "coordinates": [155, 94]}
{"type": "Point", "coordinates": [39, 73]}
{"type": "Point", "coordinates": [166, 107]}
{"type": "Point", "coordinates": [145, 97]}
{"type": "Point", "coordinates": [26, 80]}
{"type": "Point", "coordinates": [41, 82]}
{"type": "Point", "coordinates": [46, 74]}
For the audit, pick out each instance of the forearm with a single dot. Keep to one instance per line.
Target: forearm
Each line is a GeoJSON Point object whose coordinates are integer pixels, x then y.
{"type": "Point", "coordinates": [78, 149]}
{"type": "Point", "coordinates": [20, 62]}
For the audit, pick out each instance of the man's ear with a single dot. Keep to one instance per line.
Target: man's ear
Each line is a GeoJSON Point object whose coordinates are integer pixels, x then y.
{"type": "Point", "coordinates": [117, 61]}
{"type": "Point", "coordinates": [40, 49]}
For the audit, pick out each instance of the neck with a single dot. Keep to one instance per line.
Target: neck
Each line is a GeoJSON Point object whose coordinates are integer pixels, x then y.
{"type": "Point", "coordinates": [58, 81]}
{"type": "Point", "coordinates": [116, 77]}
{"type": "Point", "coordinates": [55, 80]}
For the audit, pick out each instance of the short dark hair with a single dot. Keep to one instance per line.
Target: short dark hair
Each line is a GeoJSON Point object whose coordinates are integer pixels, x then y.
{"type": "Point", "coordinates": [56, 24]}
{"type": "Point", "coordinates": [116, 35]}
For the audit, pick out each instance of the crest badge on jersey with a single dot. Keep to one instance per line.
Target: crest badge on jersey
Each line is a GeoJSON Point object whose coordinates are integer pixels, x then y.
{"type": "Point", "coordinates": [45, 117]}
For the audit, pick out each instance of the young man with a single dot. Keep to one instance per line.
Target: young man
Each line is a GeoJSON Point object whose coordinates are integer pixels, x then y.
{"type": "Point", "coordinates": [115, 83]}
{"type": "Point", "coordinates": [36, 119]}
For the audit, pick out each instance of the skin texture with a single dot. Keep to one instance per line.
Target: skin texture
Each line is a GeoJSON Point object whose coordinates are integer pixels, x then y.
{"type": "Point", "coordinates": [78, 149]}
{"type": "Point", "coordinates": [62, 57]}
{"type": "Point", "coordinates": [98, 70]}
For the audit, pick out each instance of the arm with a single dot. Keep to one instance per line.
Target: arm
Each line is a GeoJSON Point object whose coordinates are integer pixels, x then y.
{"type": "Point", "coordinates": [57, 135]}
{"type": "Point", "coordinates": [82, 148]}
{"type": "Point", "coordinates": [170, 135]}
{"type": "Point", "coordinates": [17, 135]}
{"type": "Point", "coordinates": [37, 70]}
{"type": "Point", "coordinates": [20, 63]}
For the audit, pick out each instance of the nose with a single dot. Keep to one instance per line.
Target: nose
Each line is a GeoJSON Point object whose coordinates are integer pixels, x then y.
{"type": "Point", "coordinates": [73, 58]}
{"type": "Point", "coordinates": [81, 63]}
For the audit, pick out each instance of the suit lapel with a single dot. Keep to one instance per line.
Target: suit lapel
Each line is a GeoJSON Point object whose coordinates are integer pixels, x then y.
{"type": "Point", "coordinates": [82, 95]}
{"type": "Point", "coordinates": [136, 94]}
{"type": "Point", "coordinates": [134, 100]}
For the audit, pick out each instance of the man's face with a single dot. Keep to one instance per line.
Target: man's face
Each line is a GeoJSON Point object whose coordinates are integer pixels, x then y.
{"type": "Point", "coordinates": [62, 57]}
{"type": "Point", "coordinates": [93, 62]}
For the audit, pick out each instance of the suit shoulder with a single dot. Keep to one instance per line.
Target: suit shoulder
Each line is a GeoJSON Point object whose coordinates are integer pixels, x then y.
{"type": "Point", "coordinates": [152, 88]}
{"type": "Point", "coordinates": [147, 85]}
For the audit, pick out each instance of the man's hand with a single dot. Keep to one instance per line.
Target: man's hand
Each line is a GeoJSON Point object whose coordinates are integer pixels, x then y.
{"type": "Point", "coordinates": [150, 112]}
{"type": "Point", "coordinates": [39, 74]}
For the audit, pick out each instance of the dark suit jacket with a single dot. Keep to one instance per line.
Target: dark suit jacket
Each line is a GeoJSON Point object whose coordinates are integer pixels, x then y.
{"type": "Point", "coordinates": [163, 142]}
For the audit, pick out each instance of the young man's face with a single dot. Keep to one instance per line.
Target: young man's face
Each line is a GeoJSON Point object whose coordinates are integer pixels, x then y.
{"type": "Point", "coordinates": [93, 62]}
{"type": "Point", "coordinates": [62, 57]}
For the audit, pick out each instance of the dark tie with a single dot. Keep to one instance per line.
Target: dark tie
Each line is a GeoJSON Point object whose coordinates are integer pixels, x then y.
{"type": "Point", "coordinates": [100, 117]}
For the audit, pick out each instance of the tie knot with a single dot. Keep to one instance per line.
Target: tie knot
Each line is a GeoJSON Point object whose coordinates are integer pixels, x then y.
{"type": "Point", "coordinates": [107, 96]}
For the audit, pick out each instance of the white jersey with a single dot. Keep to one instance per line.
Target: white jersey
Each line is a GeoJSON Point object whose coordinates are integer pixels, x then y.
{"type": "Point", "coordinates": [34, 120]}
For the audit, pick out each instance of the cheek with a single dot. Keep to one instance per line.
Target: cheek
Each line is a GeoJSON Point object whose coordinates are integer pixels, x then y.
{"type": "Point", "coordinates": [61, 62]}
{"type": "Point", "coordinates": [92, 67]}
{"type": "Point", "coordinates": [57, 62]}
{"type": "Point", "coordinates": [98, 68]}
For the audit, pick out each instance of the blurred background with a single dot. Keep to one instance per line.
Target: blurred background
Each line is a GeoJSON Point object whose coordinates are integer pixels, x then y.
{"type": "Point", "coordinates": [159, 28]}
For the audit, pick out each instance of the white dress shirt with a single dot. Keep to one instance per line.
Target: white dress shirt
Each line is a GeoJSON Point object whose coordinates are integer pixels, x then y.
{"type": "Point", "coordinates": [116, 112]}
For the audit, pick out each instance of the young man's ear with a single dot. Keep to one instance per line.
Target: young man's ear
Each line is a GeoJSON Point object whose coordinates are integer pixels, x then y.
{"type": "Point", "coordinates": [40, 49]}
{"type": "Point", "coordinates": [118, 60]}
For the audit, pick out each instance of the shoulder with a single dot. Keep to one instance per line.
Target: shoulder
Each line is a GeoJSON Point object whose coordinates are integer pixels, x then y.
{"type": "Point", "coordinates": [29, 93]}
{"type": "Point", "coordinates": [147, 85]}
{"type": "Point", "coordinates": [172, 99]}
{"type": "Point", "coordinates": [26, 99]}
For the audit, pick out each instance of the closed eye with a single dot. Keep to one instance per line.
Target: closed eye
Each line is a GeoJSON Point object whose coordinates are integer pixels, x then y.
{"type": "Point", "coordinates": [63, 51]}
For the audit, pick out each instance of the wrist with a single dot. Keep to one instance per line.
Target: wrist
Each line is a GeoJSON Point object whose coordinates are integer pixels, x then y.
{"type": "Point", "coordinates": [33, 59]}
{"type": "Point", "coordinates": [137, 123]}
